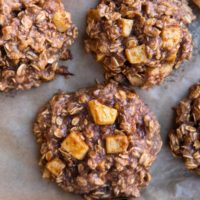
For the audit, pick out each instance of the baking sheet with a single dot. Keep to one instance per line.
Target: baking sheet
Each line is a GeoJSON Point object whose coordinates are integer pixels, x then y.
{"type": "Point", "coordinates": [20, 177]}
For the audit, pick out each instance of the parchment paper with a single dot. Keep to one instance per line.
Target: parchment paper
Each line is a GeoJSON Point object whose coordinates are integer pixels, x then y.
{"type": "Point", "coordinates": [20, 177]}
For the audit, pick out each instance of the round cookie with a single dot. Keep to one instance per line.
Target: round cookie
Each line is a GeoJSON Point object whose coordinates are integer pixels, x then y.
{"type": "Point", "coordinates": [140, 42]}
{"type": "Point", "coordinates": [34, 35]}
{"type": "Point", "coordinates": [98, 142]}
{"type": "Point", "coordinates": [184, 139]}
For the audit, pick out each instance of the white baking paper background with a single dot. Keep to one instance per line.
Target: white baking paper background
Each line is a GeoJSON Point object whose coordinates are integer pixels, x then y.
{"type": "Point", "coordinates": [20, 177]}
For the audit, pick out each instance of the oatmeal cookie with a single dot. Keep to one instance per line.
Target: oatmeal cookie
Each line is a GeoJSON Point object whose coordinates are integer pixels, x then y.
{"type": "Point", "coordinates": [139, 41]}
{"type": "Point", "coordinates": [98, 142]}
{"type": "Point", "coordinates": [34, 35]}
{"type": "Point", "coordinates": [184, 139]}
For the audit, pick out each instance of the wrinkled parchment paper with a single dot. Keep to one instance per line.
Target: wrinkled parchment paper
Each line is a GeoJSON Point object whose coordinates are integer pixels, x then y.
{"type": "Point", "coordinates": [20, 177]}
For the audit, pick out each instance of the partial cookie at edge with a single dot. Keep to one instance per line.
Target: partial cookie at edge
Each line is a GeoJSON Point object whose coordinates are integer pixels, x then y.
{"type": "Point", "coordinates": [140, 42]}
{"type": "Point", "coordinates": [35, 35]}
{"type": "Point", "coordinates": [184, 139]}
